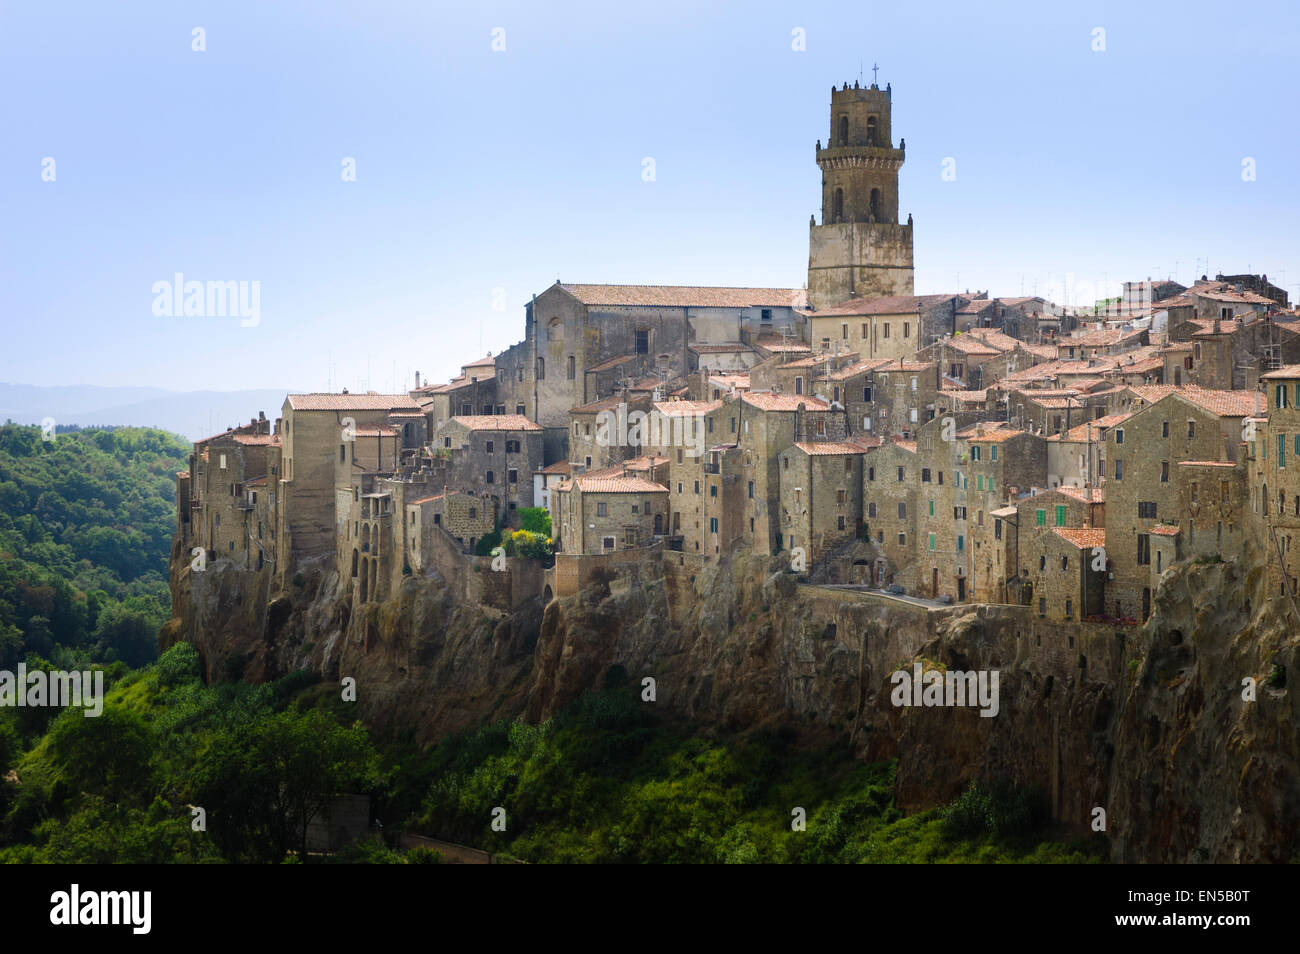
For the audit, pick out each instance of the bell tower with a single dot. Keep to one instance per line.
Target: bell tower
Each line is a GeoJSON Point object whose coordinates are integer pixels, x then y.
{"type": "Point", "coordinates": [860, 250]}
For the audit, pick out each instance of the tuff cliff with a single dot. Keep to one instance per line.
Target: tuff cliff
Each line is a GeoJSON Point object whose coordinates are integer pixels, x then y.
{"type": "Point", "coordinates": [1147, 723]}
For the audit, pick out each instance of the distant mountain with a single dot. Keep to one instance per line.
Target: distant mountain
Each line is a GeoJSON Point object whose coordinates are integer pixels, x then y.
{"type": "Point", "coordinates": [192, 414]}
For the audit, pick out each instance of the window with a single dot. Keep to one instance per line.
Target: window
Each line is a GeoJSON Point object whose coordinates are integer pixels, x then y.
{"type": "Point", "coordinates": [1119, 435]}
{"type": "Point", "coordinates": [1069, 608]}
{"type": "Point", "coordinates": [473, 513]}
{"type": "Point", "coordinates": [1191, 429]}
{"type": "Point", "coordinates": [519, 409]}
{"type": "Point", "coordinates": [767, 314]}
{"type": "Point", "coordinates": [697, 486]}
{"type": "Point", "coordinates": [1164, 471]}
{"type": "Point", "coordinates": [1040, 518]}
{"type": "Point", "coordinates": [1280, 396]}
{"type": "Point", "coordinates": [886, 334]}
{"type": "Point", "coordinates": [844, 130]}
{"type": "Point", "coordinates": [1042, 606]}
{"type": "Point", "coordinates": [1146, 509]}
{"type": "Point", "coordinates": [902, 539]}
{"type": "Point", "coordinates": [1119, 470]}
{"type": "Point", "coordinates": [490, 477]}
{"type": "Point", "coordinates": [643, 342]}
{"type": "Point", "coordinates": [1144, 549]}
{"type": "Point", "coordinates": [840, 522]}
{"type": "Point", "coordinates": [900, 475]}
{"type": "Point", "coordinates": [751, 490]}
{"type": "Point", "coordinates": [491, 446]}
{"type": "Point", "coordinates": [1281, 450]}
{"type": "Point", "coordinates": [979, 481]}
{"type": "Point", "coordinates": [512, 447]}
{"type": "Point", "coordinates": [932, 508]}
{"type": "Point", "coordinates": [573, 369]}
{"type": "Point", "coordinates": [997, 529]}
{"type": "Point", "coordinates": [961, 543]}
{"type": "Point", "coordinates": [902, 511]}
{"type": "Point", "coordinates": [907, 330]}
{"type": "Point", "coordinates": [1042, 563]}
{"type": "Point", "coordinates": [541, 368]}
{"type": "Point", "coordinates": [713, 524]}
{"type": "Point", "coordinates": [798, 385]}
{"type": "Point", "coordinates": [844, 330]}
{"type": "Point", "coordinates": [601, 509]}
{"type": "Point", "coordinates": [512, 476]}
{"type": "Point", "coordinates": [932, 541]}
{"type": "Point", "coordinates": [975, 453]}
{"type": "Point", "coordinates": [913, 386]}
{"type": "Point", "coordinates": [1060, 515]}
{"type": "Point", "coordinates": [925, 475]}
{"type": "Point", "coordinates": [864, 330]}
{"type": "Point", "coordinates": [871, 473]}
{"type": "Point", "coordinates": [993, 452]}
{"type": "Point", "coordinates": [713, 490]}
{"type": "Point", "coordinates": [871, 510]}
{"type": "Point", "coordinates": [866, 394]}
{"type": "Point", "coordinates": [1065, 563]}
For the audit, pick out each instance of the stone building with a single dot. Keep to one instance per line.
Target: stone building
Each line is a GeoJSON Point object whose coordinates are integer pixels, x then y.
{"type": "Point", "coordinates": [492, 457]}
{"type": "Point", "coordinates": [226, 500]}
{"type": "Point", "coordinates": [1067, 573]}
{"type": "Point", "coordinates": [1077, 458]}
{"type": "Point", "coordinates": [860, 249]}
{"type": "Point", "coordinates": [769, 423]}
{"type": "Point", "coordinates": [318, 454]}
{"type": "Point", "coordinates": [893, 327]}
{"type": "Point", "coordinates": [891, 484]}
{"type": "Point", "coordinates": [904, 394]}
{"type": "Point", "coordinates": [462, 517]}
{"type": "Point", "coordinates": [607, 510]}
{"type": "Point", "coordinates": [821, 495]}
{"type": "Point", "coordinates": [597, 429]}
{"type": "Point", "coordinates": [1143, 478]}
{"type": "Point", "coordinates": [1275, 479]}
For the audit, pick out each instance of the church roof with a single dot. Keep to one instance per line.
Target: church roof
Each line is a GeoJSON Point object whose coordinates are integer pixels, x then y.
{"type": "Point", "coordinates": [687, 296]}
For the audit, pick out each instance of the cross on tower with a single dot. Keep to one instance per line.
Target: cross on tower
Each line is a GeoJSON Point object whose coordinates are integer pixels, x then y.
{"type": "Point", "coordinates": [874, 70]}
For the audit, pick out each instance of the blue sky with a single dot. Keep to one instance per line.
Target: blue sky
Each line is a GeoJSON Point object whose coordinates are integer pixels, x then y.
{"type": "Point", "coordinates": [482, 173]}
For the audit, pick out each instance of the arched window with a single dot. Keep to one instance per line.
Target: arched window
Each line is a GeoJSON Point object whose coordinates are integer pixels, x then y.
{"type": "Point", "coordinates": [844, 130]}
{"type": "Point", "coordinates": [875, 205]}
{"type": "Point", "coordinates": [871, 130]}
{"type": "Point", "coordinates": [555, 330]}
{"type": "Point", "coordinates": [837, 212]}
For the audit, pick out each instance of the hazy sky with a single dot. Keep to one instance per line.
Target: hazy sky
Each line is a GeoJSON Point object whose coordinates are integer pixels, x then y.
{"type": "Point", "coordinates": [483, 176]}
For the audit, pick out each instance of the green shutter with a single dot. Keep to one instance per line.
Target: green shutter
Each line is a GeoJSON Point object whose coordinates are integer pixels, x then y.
{"type": "Point", "coordinates": [1060, 515]}
{"type": "Point", "coordinates": [932, 535]}
{"type": "Point", "coordinates": [1041, 518]}
{"type": "Point", "coordinates": [995, 452]}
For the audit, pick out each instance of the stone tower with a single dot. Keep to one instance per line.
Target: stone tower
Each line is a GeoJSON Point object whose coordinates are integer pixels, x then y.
{"type": "Point", "coordinates": [860, 250]}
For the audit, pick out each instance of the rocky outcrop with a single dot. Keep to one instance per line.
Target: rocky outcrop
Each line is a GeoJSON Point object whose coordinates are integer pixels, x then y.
{"type": "Point", "coordinates": [1148, 723]}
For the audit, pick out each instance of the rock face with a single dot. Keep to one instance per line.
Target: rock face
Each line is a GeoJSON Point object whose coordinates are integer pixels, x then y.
{"type": "Point", "coordinates": [1148, 723]}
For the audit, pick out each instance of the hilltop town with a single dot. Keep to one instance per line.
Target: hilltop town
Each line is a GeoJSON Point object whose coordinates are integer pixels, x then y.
{"type": "Point", "coordinates": [949, 448]}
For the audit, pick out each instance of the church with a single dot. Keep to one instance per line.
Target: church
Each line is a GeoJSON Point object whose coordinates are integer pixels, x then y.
{"type": "Point", "coordinates": [585, 342]}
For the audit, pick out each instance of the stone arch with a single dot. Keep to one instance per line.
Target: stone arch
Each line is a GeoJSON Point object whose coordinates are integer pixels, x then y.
{"type": "Point", "coordinates": [837, 208]}
{"type": "Point", "coordinates": [555, 329]}
{"type": "Point", "coordinates": [875, 206]}
{"type": "Point", "coordinates": [844, 130]}
{"type": "Point", "coordinates": [871, 130]}
{"type": "Point", "coordinates": [547, 595]}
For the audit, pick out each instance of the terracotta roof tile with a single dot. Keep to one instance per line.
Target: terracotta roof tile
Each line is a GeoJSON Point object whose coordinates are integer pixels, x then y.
{"type": "Point", "coordinates": [686, 296]}
{"type": "Point", "coordinates": [496, 422]}
{"type": "Point", "coordinates": [318, 401]}
{"type": "Point", "coordinates": [769, 401]}
{"type": "Point", "coordinates": [829, 448]}
{"type": "Point", "coordinates": [1085, 538]}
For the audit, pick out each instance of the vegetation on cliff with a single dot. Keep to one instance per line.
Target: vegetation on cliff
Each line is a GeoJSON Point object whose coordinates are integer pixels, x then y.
{"type": "Point", "coordinates": [606, 780]}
